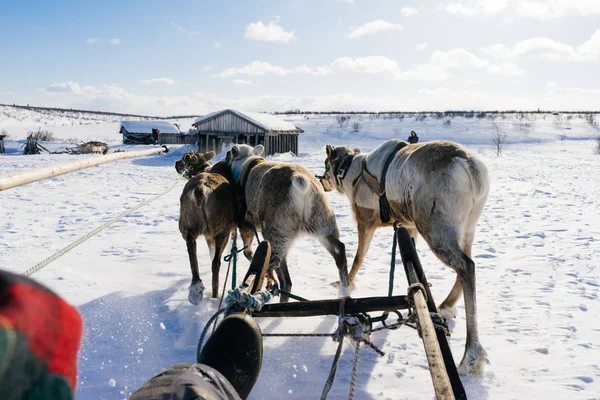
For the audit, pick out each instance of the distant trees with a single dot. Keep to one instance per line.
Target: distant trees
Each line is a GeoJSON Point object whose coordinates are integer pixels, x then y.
{"type": "Point", "coordinates": [498, 139]}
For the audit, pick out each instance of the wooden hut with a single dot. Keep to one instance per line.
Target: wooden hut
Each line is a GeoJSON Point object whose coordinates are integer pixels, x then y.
{"type": "Point", "coordinates": [140, 132]}
{"type": "Point", "coordinates": [225, 127]}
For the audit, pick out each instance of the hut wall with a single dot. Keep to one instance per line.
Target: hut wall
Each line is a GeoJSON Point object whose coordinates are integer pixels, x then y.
{"type": "Point", "coordinates": [229, 122]}
{"type": "Point", "coordinates": [172, 138]}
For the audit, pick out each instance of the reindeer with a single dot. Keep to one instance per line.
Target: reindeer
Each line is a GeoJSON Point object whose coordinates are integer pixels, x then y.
{"type": "Point", "coordinates": [437, 189]}
{"type": "Point", "coordinates": [208, 207]}
{"type": "Point", "coordinates": [284, 200]}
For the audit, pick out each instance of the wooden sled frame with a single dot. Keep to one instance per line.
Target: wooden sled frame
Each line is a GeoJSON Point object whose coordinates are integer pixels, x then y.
{"type": "Point", "coordinates": [444, 375]}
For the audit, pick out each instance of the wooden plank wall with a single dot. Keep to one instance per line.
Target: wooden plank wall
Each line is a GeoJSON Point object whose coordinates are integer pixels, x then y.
{"type": "Point", "coordinates": [167, 138]}
{"type": "Point", "coordinates": [229, 122]}
{"type": "Point", "coordinates": [273, 143]}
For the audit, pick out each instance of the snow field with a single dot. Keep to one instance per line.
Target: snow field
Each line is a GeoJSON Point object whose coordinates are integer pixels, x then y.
{"type": "Point", "coordinates": [536, 249]}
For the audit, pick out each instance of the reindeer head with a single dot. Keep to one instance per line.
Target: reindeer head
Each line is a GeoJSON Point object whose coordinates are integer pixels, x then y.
{"type": "Point", "coordinates": [335, 157]}
{"type": "Point", "coordinates": [239, 154]}
{"type": "Point", "coordinates": [194, 162]}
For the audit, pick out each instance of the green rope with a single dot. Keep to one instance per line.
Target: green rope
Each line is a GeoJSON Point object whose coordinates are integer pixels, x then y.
{"type": "Point", "coordinates": [393, 263]}
{"type": "Point", "coordinates": [233, 257]}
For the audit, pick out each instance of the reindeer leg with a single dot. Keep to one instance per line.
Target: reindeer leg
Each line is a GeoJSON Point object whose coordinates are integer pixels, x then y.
{"type": "Point", "coordinates": [365, 236]}
{"type": "Point", "coordinates": [447, 308]}
{"type": "Point", "coordinates": [196, 289]}
{"type": "Point", "coordinates": [283, 274]}
{"type": "Point", "coordinates": [443, 241]}
{"type": "Point", "coordinates": [247, 234]}
{"type": "Point", "coordinates": [280, 242]}
{"type": "Point", "coordinates": [338, 252]}
{"type": "Point", "coordinates": [220, 242]}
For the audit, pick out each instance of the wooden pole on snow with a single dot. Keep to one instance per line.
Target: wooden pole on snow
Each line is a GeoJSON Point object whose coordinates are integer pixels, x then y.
{"type": "Point", "coordinates": [37, 174]}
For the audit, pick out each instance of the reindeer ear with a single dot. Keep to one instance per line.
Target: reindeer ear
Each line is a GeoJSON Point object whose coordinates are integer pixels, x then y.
{"type": "Point", "coordinates": [258, 150]}
{"type": "Point", "coordinates": [235, 151]}
{"type": "Point", "coordinates": [209, 156]}
{"type": "Point", "coordinates": [356, 150]}
{"type": "Point", "coordinates": [329, 149]}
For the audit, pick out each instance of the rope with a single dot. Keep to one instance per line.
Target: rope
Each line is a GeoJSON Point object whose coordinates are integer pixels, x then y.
{"type": "Point", "coordinates": [336, 358]}
{"type": "Point", "coordinates": [253, 226]}
{"type": "Point", "coordinates": [236, 298]}
{"type": "Point", "coordinates": [252, 302]}
{"type": "Point", "coordinates": [275, 291]}
{"type": "Point", "coordinates": [354, 370]}
{"type": "Point", "coordinates": [393, 262]}
{"type": "Point", "coordinates": [76, 243]}
{"type": "Point", "coordinates": [223, 290]}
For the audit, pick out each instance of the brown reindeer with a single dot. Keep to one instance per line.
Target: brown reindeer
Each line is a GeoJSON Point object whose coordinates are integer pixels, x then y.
{"type": "Point", "coordinates": [437, 189]}
{"type": "Point", "coordinates": [208, 207]}
{"type": "Point", "coordinates": [285, 200]}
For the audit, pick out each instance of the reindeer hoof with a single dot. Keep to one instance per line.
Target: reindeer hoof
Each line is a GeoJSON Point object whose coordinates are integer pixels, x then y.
{"type": "Point", "coordinates": [474, 361]}
{"type": "Point", "coordinates": [275, 261]}
{"type": "Point", "coordinates": [336, 285]}
{"type": "Point", "coordinates": [449, 313]}
{"type": "Point", "coordinates": [196, 293]}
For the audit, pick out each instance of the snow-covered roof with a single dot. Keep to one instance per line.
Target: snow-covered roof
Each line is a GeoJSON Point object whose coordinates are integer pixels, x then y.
{"type": "Point", "coordinates": [268, 122]}
{"type": "Point", "coordinates": [147, 126]}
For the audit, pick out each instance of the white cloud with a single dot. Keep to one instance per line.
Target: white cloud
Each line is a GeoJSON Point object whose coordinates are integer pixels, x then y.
{"type": "Point", "coordinates": [456, 59]}
{"type": "Point", "coordinates": [268, 33]}
{"type": "Point", "coordinates": [193, 34]}
{"type": "Point", "coordinates": [409, 11]}
{"type": "Point", "coordinates": [242, 82]}
{"type": "Point", "coordinates": [206, 68]}
{"type": "Point", "coordinates": [471, 8]}
{"type": "Point", "coordinates": [444, 62]}
{"type": "Point", "coordinates": [258, 68]}
{"type": "Point", "coordinates": [115, 41]}
{"type": "Point", "coordinates": [305, 69]}
{"type": "Point", "coordinates": [543, 48]}
{"type": "Point", "coordinates": [177, 27]}
{"type": "Point", "coordinates": [424, 72]}
{"type": "Point", "coordinates": [547, 9]}
{"type": "Point", "coordinates": [346, 1]}
{"type": "Point", "coordinates": [372, 27]}
{"type": "Point", "coordinates": [153, 81]}
{"type": "Point", "coordinates": [255, 68]}
{"type": "Point", "coordinates": [370, 65]}
{"type": "Point", "coordinates": [112, 97]}
{"type": "Point", "coordinates": [421, 46]}
{"type": "Point", "coordinates": [92, 40]}
{"type": "Point", "coordinates": [63, 87]}
{"type": "Point", "coordinates": [217, 45]}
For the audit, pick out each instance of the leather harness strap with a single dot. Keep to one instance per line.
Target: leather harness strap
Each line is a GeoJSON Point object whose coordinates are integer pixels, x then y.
{"type": "Point", "coordinates": [241, 190]}
{"type": "Point", "coordinates": [378, 186]}
{"type": "Point", "coordinates": [343, 168]}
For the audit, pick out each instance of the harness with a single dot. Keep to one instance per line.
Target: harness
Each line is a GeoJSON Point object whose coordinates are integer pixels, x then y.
{"type": "Point", "coordinates": [241, 190]}
{"type": "Point", "coordinates": [343, 168]}
{"type": "Point", "coordinates": [379, 186]}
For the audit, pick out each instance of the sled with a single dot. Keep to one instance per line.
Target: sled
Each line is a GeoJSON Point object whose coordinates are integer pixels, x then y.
{"type": "Point", "coordinates": [444, 375]}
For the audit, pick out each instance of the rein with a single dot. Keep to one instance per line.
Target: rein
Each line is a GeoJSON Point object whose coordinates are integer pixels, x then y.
{"type": "Point", "coordinates": [378, 186]}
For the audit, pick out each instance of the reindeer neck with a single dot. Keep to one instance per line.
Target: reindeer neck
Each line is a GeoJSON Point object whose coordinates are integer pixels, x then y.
{"type": "Point", "coordinates": [352, 176]}
{"type": "Point", "coordinates": [222, 169]}
{"type": "Point", "coordinates": [247, 167]}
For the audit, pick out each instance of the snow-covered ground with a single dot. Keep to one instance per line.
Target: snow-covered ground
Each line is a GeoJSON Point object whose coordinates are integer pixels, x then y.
{"type": "Point", "coordinates": [537, 252]}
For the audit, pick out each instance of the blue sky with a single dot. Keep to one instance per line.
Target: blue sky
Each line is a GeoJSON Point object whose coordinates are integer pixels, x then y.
{"type": "Point", "coordinates": [182, 57]}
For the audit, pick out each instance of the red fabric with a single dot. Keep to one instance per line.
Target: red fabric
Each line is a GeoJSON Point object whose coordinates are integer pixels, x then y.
{"type": "Point", "coordinates": [52, 327]}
